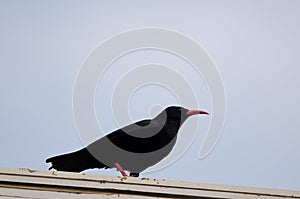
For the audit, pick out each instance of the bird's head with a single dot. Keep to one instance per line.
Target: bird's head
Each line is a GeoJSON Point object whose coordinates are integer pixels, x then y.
{"type": "Point", "coordinates": [180, 114]}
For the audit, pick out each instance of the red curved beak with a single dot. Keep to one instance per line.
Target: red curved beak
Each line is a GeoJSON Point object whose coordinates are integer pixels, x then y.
{"type": "Point", "coordinates": [194, 112]}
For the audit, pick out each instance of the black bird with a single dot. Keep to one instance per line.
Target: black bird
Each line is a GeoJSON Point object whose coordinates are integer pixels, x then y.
{"type": "Point", "coordinates": [134, 147]}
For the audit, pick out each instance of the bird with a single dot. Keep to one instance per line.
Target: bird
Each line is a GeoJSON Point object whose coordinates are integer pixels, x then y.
{"type": "Point", "coordinates": [133, 148]}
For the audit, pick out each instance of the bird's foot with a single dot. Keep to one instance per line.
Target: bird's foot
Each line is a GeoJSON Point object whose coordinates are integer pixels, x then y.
{"type": "Point", "coordinates": [134, 174]}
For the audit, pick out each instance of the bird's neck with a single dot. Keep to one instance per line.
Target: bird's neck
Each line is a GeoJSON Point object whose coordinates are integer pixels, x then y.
{"type": "Point", "coordinates": [172, 128]}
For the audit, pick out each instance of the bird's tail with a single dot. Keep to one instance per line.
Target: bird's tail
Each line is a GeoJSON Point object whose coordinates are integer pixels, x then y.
{"type": "Point", "coordinates": [74, 162]}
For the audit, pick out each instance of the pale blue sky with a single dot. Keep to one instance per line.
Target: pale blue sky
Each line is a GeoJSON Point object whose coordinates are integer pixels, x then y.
{"type": "Point", "coordinates": [255, 45]}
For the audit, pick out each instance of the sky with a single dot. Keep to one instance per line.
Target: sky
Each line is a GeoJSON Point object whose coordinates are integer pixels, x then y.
{"type": "Point", "coordinates": [254, 45]}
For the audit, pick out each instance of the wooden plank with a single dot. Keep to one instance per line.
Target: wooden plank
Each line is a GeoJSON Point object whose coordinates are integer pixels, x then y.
{"type": "Point", "coordinates": [41, 184]}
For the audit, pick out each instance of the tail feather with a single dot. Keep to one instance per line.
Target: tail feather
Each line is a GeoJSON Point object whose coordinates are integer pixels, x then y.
{"type": "Point", "coordinates": [75, 162]}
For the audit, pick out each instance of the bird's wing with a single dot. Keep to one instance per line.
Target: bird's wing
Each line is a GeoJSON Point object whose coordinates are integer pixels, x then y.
{"type": "Point", "coordinates": [140, 129]}
{"type": "Point", "coordinates": [142, 136]}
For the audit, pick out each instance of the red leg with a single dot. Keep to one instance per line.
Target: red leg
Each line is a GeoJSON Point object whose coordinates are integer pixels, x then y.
{"type": "Point", "coordinates": [120, 169]}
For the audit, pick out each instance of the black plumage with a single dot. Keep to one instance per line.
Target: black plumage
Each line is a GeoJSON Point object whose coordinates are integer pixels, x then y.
{"type": "Point", "coordinates": [135, 147]}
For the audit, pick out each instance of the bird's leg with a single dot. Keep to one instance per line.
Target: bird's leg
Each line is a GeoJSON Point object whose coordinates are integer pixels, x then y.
{"type": "Point", "coordinates": [120, 169]}
{"type": "Point", "coordinates": [134, 174]}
